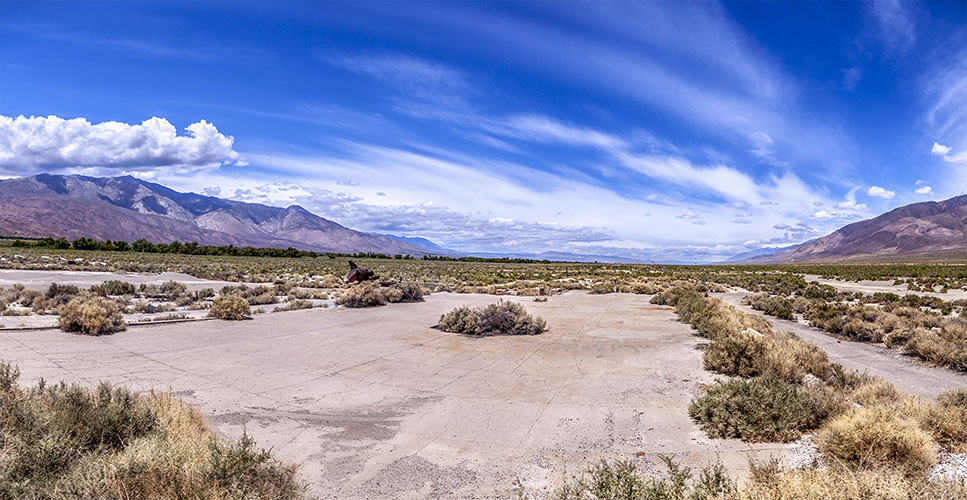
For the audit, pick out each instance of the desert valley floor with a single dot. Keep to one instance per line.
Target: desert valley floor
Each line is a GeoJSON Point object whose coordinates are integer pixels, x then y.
{"type": "Point", "coordinates": [377, 403]}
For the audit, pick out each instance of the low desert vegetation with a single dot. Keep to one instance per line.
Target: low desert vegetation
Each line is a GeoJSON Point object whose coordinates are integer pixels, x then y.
{"type": "Point", "coordinates": [230, 307]}
{"type": "Point", "coordinates": [63, 442]}
{"type": "Point", "coordinates": [922, 326]}
{"type": "Point", "coordinates": [373, 294]}
{"type": "Point", "coordinates": [759, 409]}
{"type": "Point", "coordinates": [294, 305]}
{"type": "Point", "coordinates": [502, 318]}
{"type": "Point", "coordinates": [623, 480]}
{"type": "Point", "coordinates": [875, 439]}
{"type": "Point", "coordinates": [363, 295]}
{"type": "Point", "coordinates": [91, 315]}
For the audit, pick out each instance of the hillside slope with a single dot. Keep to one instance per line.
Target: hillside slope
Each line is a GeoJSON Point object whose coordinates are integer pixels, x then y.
{"type": "Point", "coordinates": [928, 231]}
{"type": "Point", "coordinates": [126, 208]}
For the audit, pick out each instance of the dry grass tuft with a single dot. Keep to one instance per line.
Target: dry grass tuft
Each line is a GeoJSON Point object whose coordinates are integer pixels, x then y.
{"type": "Point", "coordinates": [91, 315]}
{"type": "Point", "coordinates": [66, 442]}
{"type": "Point", "coordinates": [877, 437]}
{"type": "Point", "coordinates": [230, 307]}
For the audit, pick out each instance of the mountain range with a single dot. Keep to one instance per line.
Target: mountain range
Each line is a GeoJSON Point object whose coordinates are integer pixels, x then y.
{"type": "Point", "coordinates": [928, 231]}
{"type": "Point", "coordinates": [127, 208]}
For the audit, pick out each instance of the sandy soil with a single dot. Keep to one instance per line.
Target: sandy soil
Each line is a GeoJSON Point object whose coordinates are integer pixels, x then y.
{"type": "Point", "coordinates": [375, 403]}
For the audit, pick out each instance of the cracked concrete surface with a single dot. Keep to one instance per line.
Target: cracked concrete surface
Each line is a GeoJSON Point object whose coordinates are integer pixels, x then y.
{"type": "Point", "coordinates": [375, 403]}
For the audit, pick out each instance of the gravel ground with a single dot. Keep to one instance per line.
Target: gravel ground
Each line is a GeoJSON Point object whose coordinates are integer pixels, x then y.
{"type": "Point", "coordinates": [951, 466]}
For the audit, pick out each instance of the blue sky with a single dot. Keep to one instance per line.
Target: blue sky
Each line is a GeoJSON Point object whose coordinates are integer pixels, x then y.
{"type": "Point", "coordinates": [670, 131]}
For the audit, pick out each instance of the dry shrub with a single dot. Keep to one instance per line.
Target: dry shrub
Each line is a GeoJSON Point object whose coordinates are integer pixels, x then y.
{"type": "Point", "coordinates": [91, 315]}
{"type": "Point", "coordinates": [502, 318]}
{"type": "Point", "coordinates": [956, 397]}
{"type": "Point", "coordinates": [792, 358]}
{"type": "Point", "coordinates": [509, 318]}
{"type": "Point", "coordinates": [230, 307]}
{"type": "Point", "coordinates": [363, 295]}
{"type": "Point", "coordinates": [738, 354]}
{"type": "Point", "coordinates": [877, 437]}
{"type": "Point", "coordinates": [644, 288]}
{"type": "Point", "coordinates": [463, 320]}
{"type": "Point", "coordinates": [621, 480]}
{"type": "Point", "coordinates": [624, 481]}
{"type": "Point", "coordinates": [760, 409]}
{"type": "Point", "coordinates": [262, 299]}
{"type": "Point", "coordinates": [66, 442]}
{"type": "Point", "coordinates": [294, 305]}
{"type": "Point", "coordinates": [408, 292]}
{"type": "Point", "coordinates": [113, 287]}
{"type": "Point", "coordinates": [945, 420]}
{"type": "Point", "coordinates": [840, 483]}
{"type": "Point", "coordinates": [329, 281]}
{"type": "Point", "coordinates": [876, 391]}
{"type": "Point", "coordinates": [946, 347]}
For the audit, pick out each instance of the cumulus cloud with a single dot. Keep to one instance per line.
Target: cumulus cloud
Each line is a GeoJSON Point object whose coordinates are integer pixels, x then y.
{"type": "Point", "coordinates": [29, 145]}
{"type": "Point", "coordinates": [939, 149]}
{"type": "Point", "coordinates": [850, 202]}
{"type": "Point", "coordinates": [944, 152]}
{"type": "Point", "coordinates": [924, 190]}
{"type": "Point", "coordinates": [879, 192]}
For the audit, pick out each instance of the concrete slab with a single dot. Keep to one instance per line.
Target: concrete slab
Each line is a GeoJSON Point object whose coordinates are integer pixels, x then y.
{"type": "Point", "coordinates": [375, 403]}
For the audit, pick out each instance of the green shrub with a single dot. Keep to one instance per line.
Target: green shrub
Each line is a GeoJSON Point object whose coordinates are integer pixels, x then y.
{"type": "Point", "coordinates": [621, 480]}
{"type": "Point", "coordinates": [757, 409]}
{"type": "Point", "coordinates": [91, 315]}
{"type": "Point", "coordinates": [55, 289]}
{"type": "Point", "coordinates": [230, 307]}
{"type": "Point", "coordinates": [113, 287]}
{"type": "Point", "coordinates": [738, 354]}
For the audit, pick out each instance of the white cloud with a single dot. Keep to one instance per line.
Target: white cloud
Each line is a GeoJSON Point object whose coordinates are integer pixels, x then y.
{"type": "Point", "coordinates": [939, 149]}
{"type": "Point", "coordinates": [850, 202]}
{"type": "Point", "coordinates": [29, 145]}
{"type": "Point", "coordinates": [924, 190]}
{"type": "Point", "coordinates": [944, 152]}
{"type": "Point", "coordinates": [879, 192]}
{"type": "Point", "coordinates": [822, 215]}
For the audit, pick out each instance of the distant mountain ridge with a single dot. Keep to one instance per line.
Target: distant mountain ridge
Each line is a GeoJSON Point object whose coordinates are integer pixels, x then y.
{"type": "Point", "coordinates": [927, 231]}
{"type": "Point", "coordinates": [127, 208]}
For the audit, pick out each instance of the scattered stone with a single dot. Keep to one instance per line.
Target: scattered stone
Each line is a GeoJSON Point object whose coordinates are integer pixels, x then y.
{"type": "Point", "coordinates": [752, 331]}
{"type": "Point", "coordinates": [804, 454]}
{"type": "Point", "coordinates": [950, 466]}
